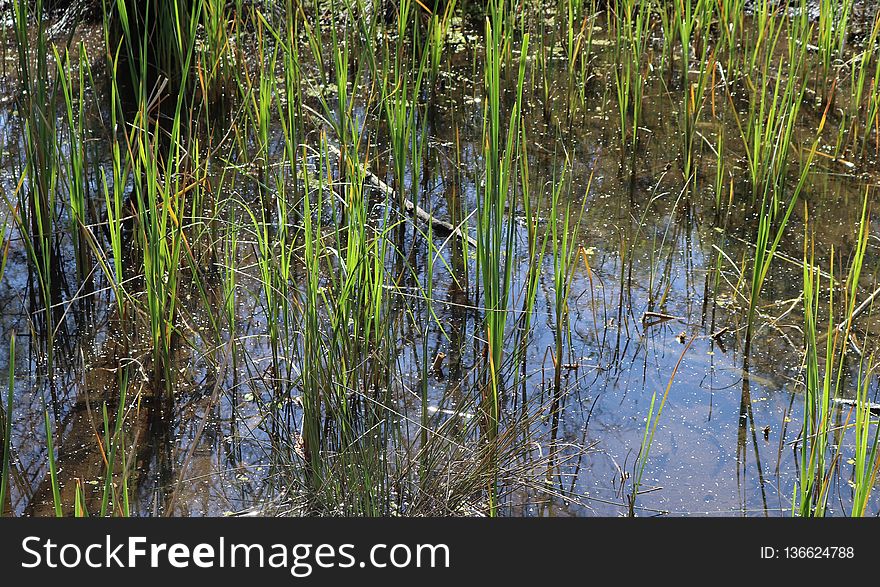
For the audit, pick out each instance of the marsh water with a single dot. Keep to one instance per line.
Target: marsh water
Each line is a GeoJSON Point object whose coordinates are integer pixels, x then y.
{"type": "Point", "coordinates": [657, 304]}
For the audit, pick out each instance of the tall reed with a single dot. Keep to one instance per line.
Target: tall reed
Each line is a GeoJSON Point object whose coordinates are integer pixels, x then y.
{"type": "Point", "coordinates": [495, 242]}
{"type": "Point", "coordinates": [771, 131]}
{"type": "Point", "coordinates": [824, 375]}
{"type": "Point", "coordinates": [633, 23]}
{"type": "Point", "coordinates": [37, 208]}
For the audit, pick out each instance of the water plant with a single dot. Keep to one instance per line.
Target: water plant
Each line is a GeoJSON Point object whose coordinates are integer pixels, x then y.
{"type": "Point", "coordinates": [6, 426]}
{"type": "Point", "coordinates": [495, 234]}
{"type": "Point", "coordinates": [338, 246]}
{"type": "Point", "coordinates": [633, 22]}
{"type": "Point", "coordinates": [36, 211]}
{"type": "Point", "coordinates": [823, 382]}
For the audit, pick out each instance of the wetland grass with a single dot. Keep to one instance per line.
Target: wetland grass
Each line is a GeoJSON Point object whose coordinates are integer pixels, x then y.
{"type": "Point", "coordinates": [6, 426]}
{"type": "Point", "coordinates": [633, 30]}
{"type": "Point", "coordinates": [215, 215]}
{"type": "Point", "coordinates": [564, 226]}
{"type": "Point", "coordinates": [820, 452]}
{"type": "Point", "coordinates": [692, 21]}
{"type": "Point", "coordinates": [35, 211]}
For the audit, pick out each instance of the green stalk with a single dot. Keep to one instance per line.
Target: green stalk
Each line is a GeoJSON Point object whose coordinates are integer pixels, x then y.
{"type": "Point", "coordinates": [495, 245]}
{"type": "Point", "coordinates": [53, 473]}
{"type": "Point", "coordinates": [6, 425]}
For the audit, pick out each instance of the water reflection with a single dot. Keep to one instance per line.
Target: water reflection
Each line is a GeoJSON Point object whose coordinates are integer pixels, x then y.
{"type": "Point", "coordinates": [661, 274]}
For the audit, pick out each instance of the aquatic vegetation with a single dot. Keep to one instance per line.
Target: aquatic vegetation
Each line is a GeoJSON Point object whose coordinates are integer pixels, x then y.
{"type": "Point", "coordinates": [6, 426]}
{"type": "Point", "coordinates": [823, 385]}
{"type": "Point", "coordinates": [36, 208]}
{"type": "Point", "coordinates": [495, 233]}
{"type": "Point", "coordinates": [633, 22]}
{"type": "Point", "coordinates": [439, 258]}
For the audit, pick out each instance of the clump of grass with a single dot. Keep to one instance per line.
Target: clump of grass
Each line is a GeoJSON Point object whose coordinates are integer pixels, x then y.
{"type": "Point", "coordinates": [831, 33]}
{"type": "Point", "coordinates": [564, 228]}
{"type": "Point", "coordinates": [731, 17]}
{"type": "Point", "coordinates": [693, 22]}
{"type": "Point", "coordinates": [768, 161]}
{"type": "Point", "coordinates": [580, 18]}
{"type": "Point", "coordinates": [860, 100]}
{"type": "Point", "coordinates": [824, 369]}
{"type": "Point", "coordinates": [866, 459]}
{"type": "Point", "coordinates": [872, 118]}
{"type": "Point", "coordinates": [214, 58]}
{"type": "Point", "coordinates": [162, 178]}
{"type": "Point", "coordinates": [115, 210]}
{"type": "Point", "coordinates": [774, 104]}
{"type": "Point", "coordinates": [494, 233]}
{"type": "Point", "coordinates": [438, 29]}
{"type": "Point", "coordinates": [73, 166]}
{"type": "Point", "coordinates": [633, 23]}
{"type": "Point", "coordinates": [537, 247]}
{"type": "Point", "coordinates": [401, 92]}
{"type": "Point", "coordinates": [36, 211]}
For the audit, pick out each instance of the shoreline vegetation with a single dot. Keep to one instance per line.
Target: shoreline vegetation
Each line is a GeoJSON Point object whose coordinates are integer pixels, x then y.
{"type": "Point", "coordinates": [439, 257]}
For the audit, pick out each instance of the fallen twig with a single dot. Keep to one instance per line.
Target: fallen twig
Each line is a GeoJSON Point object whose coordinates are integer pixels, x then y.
{"type": "Point", "coordinates": [410, 206]}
